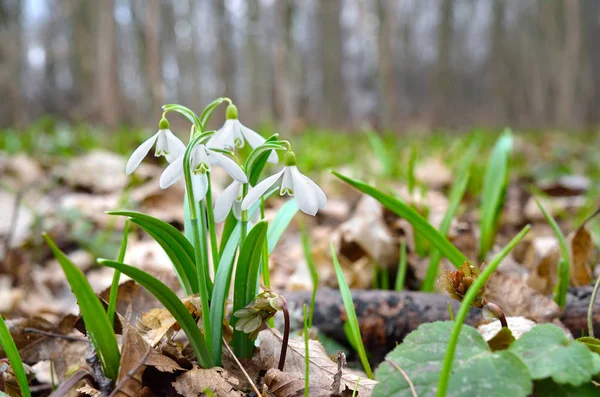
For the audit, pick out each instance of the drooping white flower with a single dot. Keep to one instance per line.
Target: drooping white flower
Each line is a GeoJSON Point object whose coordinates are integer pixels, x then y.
{"type": "Point", "coordinates": [202, 159]}
{"type": "Point", "coordinates": [235, 134]}
{"type": "Point", "coordinates": [230, 198]}
{"type": "Point", "coordinates": [167, 144]}
{"type": "Point", "coordinates": [309, 197]}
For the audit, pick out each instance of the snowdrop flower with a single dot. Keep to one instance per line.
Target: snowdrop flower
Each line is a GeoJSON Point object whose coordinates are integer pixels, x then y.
{"type": "Point", "coordinates": [233, 133]}
{"type": "Point", "coordinates": [230, 198]}
{"type": "Point", "coordinates": [167, 144]}
{"type": "Point", "coordinates": [202, 159]}
{"type": "Point", "coordinates": [309, 197]}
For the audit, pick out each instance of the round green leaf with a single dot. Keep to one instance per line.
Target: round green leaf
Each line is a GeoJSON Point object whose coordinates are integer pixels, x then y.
{"type": "Point", "coordinates": [476, 370]}
{"type": "Point", "coordinates": [548, 352]}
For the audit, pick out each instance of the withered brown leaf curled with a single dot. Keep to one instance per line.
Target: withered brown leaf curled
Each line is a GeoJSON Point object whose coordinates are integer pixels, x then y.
{"type": "Point", "coordinates": [193, 383]}
{"type": "Point", "coordinates": [283, 384]}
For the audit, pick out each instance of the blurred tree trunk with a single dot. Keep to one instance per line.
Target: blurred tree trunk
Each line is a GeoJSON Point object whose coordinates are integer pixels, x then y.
{"type": "Point", "coordinates": [443, 74]}
{"type": "Point", "coordinates": [82, 56]}
{"type": "Point", "coordinates": [11, 112]}
{"type": "Point", "coordinates": [387, 68]}
{"type": "Point", "coordinates": [107, 79]}
{"type": "Point", "coordinates": [499, 82]}
{"type": "Point", "coordinates": [224, 50]}
{"type": "Point", "coordinates": [569, 65]}
{"type": "Point", "coordinates": [152, 42]}
{"type": "Point", "coordinates": [333, 109]}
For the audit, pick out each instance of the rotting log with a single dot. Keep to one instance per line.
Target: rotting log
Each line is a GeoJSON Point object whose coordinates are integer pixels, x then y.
{"type": "Point", "coordinates": [386, 317]}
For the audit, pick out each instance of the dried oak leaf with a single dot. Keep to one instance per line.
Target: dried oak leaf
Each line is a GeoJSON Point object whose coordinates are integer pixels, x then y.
{"type": "Point", "coordinates": [193, 383]}
{"type": "Point", "coordinates": [89, 391]}
{"type": "Point", "coordinates": [581, 248]}
{"type": "Point", "coordinates": [322, 368]}
{"type": "Point", "coordinates": [283, 384]}
{"type": "Point", "coordinates": [517, 299]}
{"type": "Point", "coordinates": [135, 357]}
{"type": "Point", "coordinates": [158, 323]}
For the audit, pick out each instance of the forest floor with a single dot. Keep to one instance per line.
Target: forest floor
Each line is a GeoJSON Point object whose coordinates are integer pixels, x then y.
{"type": "Point", "coordinates": [63, 180]}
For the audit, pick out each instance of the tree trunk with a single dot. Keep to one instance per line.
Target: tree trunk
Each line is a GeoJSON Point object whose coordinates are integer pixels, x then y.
{"type": "Point", "coordinates": [107, 79]}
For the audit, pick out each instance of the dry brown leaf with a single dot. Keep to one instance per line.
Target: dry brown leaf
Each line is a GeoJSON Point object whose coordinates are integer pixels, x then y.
{"type": "Point", "coordinates": [98, 171]}
{"type": "Point", "coordinates": [193, 383]}
{"type": "Point", "coordinates": [434, 173]}
{"type": "Point", "coordinates": [89, 391]}
{"type": "Point", "coordinates": [366, 234]}
{"type": "Point", "coordinates": [135, 357]}
{"type": "Point", "coordinates": [517, 299]}
{"type": "Point", "coordinates": [282, 384]}
{"type": "Point", "coordinates": [322, 368]}
{"type": "Point", "coordinates": [158, 323]}
{"type": "Point", "coordinates": [581, 248]}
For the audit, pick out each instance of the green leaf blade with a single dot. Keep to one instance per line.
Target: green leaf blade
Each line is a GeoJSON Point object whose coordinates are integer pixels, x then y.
{"type": "Point", "coordinates": [173, 304]}
{"type": "Point", "coordinates": [7, 343]}
{"type": "Point", "coordinates": [280, 223]}
{"type": "Point", "coordinates": [415, 219]}
{"type": "Point", "coordinates": [95, 318]}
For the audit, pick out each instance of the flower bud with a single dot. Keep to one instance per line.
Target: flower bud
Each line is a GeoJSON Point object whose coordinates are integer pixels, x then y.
{"type": "Point", "coordinates": [289, 159]}
{"type": "Point", "coordinates": [458, 282]}
{"type": "Point", "coordinates": [256, 313]}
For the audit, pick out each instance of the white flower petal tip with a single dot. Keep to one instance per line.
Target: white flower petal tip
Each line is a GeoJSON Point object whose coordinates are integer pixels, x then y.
{"type": "Point", "coordinates": [138, 154]}
{"type": "Point", "coordinates": [257, 191]}
{"type": "Point", "coordinates": [228, 165]}
{"type": "Point", "coordinates": [172, 173]}
{"type": "Point", "coordinates": [226, 201]}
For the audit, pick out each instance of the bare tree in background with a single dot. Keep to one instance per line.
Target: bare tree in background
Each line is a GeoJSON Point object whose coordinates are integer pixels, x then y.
{"type": "Point", "coordinates": [107, 85]}
{"type": "Point", "coordinates": [10, 61]}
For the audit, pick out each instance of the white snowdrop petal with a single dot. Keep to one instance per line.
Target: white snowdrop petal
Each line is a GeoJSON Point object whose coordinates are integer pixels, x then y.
{"type": "Point", "coordinates": [287, 184]}
{"type": "Point", "coordinates": [237, 209]}
{"type": "Point", "coordinates": [223, 138]}
{"type": "Point", "coordinates": [238, 137]}
{"type": "Point", "coordinates": [175, 146]}
{"type": "Point", "coordinates": [257, 191]}
{"type": "Point", "coordinates": [230, 166]}
{"type": "Point", "coordinates": [318, 192]}
{"type": "Point", "coordinates": [172, 173]}
{"type": "Point", "coordinates": [255, 140]}
{"type": "Point", "coordinates": [305, 197]}
{"type": "Point", "coordinates": [138, 154]}
{"type": "Point", "coordinates": [199, 186]}
{"type": "Point", "coordinates": [225, 201]}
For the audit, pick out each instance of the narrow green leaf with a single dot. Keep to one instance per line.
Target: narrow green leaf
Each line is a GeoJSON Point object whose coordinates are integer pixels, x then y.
{"type": "Point", "coordinates": [114, 287]}
{"type": "Point", "coordinates": [403, 210]}
{"type": "Point", "coordinates": [306, 356]}
{"type": "Point", "coordinates": [314, 274]}
{"type": "Point", "coordinates": [456, 194]}
{"type": "Point", "coordinates": [246, 279]}
{"type": "Point", "coordinates": [175, 245]}
{"type": "Point", "coordinates": [173, 304]}
{"type": "Point", "coordinates": [466, 305]}
{"type": "Point", "coordinates": [411, 178]}
{"type": "Point", "coordinates": [221, 290]}
{"type": "Point", "coordinates": [95, 318]}
{"type": "Point", "coordinates": [402, 266]}
{"type": "Point", "coordinates": [281, 221]}
{"type": "Point", "coordinates": [494, 191]}
{"type": "Point", "coordinates": [564, 264]}
{"type": "Point", "coordinates": [380, 151]}
{"type": "Point", "coordinates": [8, 345]}
{"type": "Point", "coordinates": [351, 314]}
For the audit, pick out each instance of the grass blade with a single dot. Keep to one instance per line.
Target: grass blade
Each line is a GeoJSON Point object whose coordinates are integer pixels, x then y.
{"type": "Point", "coordinates": [246, 281]}
{"type": "Point", "coordinates": [8, 345]}
{"type": "Point", "coordinates": [281, 221]}
{"type": "Point", "coordinates": [306, 357]}
{"type": "Point", "coordinates": [403, 210]}
{"type": "Point", "coordinates": [114, 287]}
{"type": "Point", "coordinates": [95, 318]}
{"type": "Point", "coordinates": [402, 266]}
{"type": "Point", "coordinates": [314, 274]}
{"type": "Point", "coordinates": [351, 313]}
{"type": "Point", "coordinates": [456, 194]}
{"type": "Point", "coordinates": [380, 151]}
{"type": "Point", "coordinates": [494, 191]}
{"type": "Point", "coordinates": [172, 303]}
{"type": "Point", "coordinates": [176, 246]}
{"type": "Point", "coordinates": [470, 296]}
{"type": "Point", "coordinates": [564, 264]}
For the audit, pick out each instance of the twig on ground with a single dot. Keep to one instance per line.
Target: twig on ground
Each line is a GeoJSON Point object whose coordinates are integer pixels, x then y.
{"type": "Point", "coordinates": [405, 375]}
{"type": "Point", "coordinates": [258, 393]}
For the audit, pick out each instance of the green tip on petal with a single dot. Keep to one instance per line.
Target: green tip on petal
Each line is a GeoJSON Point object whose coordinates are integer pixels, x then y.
{"type": "Point", "coordinates": [164, 124]}
{"type": "Point", "coordinates": [232, 112]}
{"type": "Point", "coordinates": [290, 159]}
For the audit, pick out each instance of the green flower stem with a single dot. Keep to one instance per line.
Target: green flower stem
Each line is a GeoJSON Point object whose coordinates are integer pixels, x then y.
{"type": "Point", "coordinates": [466, 305]}
{"type": "Point", "coordinates": [244, 221]}
{"type": "Point", "coordinates": [114, 287]}
{"type": "Point", "coordinates": [211, 226]}
{"type": "Point", "coordinates": [199, 248]}
{"type": "Point", "coordinates": [265, 259]}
